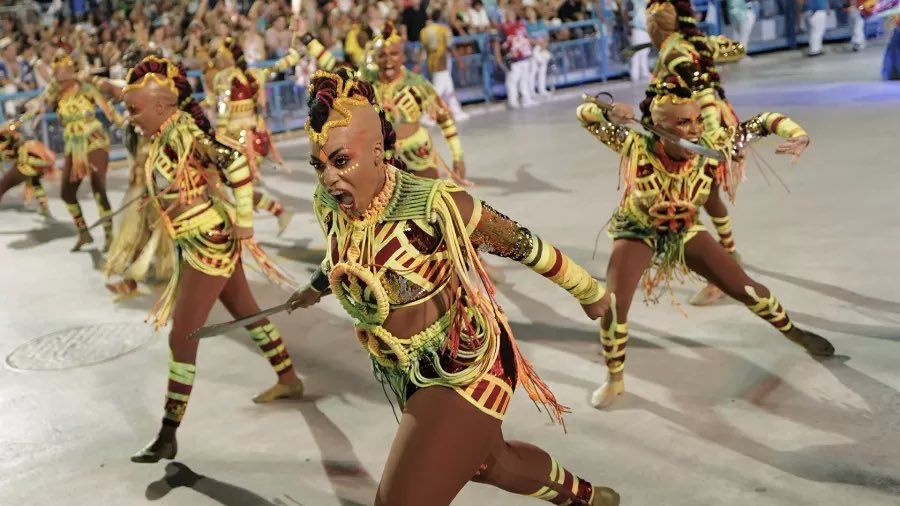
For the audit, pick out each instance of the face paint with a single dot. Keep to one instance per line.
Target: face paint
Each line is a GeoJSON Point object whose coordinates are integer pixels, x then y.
{"type": "Point", "coordinates": [682, 117]}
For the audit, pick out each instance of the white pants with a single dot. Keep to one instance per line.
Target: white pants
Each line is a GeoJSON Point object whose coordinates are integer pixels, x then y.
{"type": "Point", "coordinates": [10, 107]}
{"type": "Point", "coordinates": [443, 86]}
{"type": "Point", "coordinates": [859, 28]}
{"type": "Point", "coordinates": [745, 27]}
{"type": "Point", "coordinates": [640, 65]}
{"type": "Point", "coordinates": [816, 22]}
{"type": "Point", "coordinates": [517, 83]}
{"type": "Point", "coordinates": [540, 61]}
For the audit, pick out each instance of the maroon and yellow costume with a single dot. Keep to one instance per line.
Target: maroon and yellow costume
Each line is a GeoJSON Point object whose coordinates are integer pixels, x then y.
{"type": "Point", "coordinates": [659, 208]}
{"type": "Point", "coordinates": [30, 160]}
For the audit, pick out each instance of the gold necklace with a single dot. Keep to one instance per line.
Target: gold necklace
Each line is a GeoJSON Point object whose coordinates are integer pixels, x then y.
{"type": "Point", "coordinates": [379, 203]}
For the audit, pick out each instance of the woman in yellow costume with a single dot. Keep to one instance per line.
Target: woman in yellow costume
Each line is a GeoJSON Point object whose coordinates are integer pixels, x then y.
{"type": "Point", "coordinates": [138, 242]}
{"type": "Point", "coordinates": [30, 160]}
{"type": "Point", "coordinates": [655, 231]}
{"type": "Point", "coordinates": [401, 259]}
{"type": "Point", "coordinates": [405, 97]}
{"type": "Point", "coordinates": [690, 56]}
{"type": "Point", "coordinates": [86, 141]}
{"type": "Point", "coordinates": [239, 97]}
{"type": "Point", "coordinates": [209, 235]}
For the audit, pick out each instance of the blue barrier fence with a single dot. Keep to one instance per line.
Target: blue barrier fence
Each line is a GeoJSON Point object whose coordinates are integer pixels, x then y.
{"type": "Point", "coordinates": [591, 55]}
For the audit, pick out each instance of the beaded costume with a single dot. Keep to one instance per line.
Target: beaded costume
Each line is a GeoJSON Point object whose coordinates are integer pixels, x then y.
{"type": "Point", "coordinates": [138, 243]}
{"type": "Point", "coordinates": [413, 245]}
{"type": "Point", "coordinates": [662, 196]}
{"type": "Point", "coordinates": [678, 57]}
{"type": "Point", "coordinates": [240, 101]}
{"type": "Point", "coordinates": [176, 175]}
{"type": "Point", "coordinates": [31, 158]}
{"type": "Point", "coordinates": [82, 131]}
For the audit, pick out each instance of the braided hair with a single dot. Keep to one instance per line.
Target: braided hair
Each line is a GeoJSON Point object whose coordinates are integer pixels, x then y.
{"type": "Point", "coordinates": [323, 91]}
{"type": "Point", "coordinates": [186, 101]}
{"type": "Point", "coordinates": [232, 45]}
{"type": "Point", "coordinates": [669, 86]}
{"type": "Point", "coordinates": [687, 26]}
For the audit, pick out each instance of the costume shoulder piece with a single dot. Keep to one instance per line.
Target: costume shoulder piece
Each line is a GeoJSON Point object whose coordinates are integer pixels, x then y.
{"type": "Point", "coordinates": [726, 50]}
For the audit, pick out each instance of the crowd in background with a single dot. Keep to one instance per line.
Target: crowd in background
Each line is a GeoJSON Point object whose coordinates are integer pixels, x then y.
{"type": "Point", "coordinates": [103, 30]}
{"type": "Point", "coordinates": [190, 29]}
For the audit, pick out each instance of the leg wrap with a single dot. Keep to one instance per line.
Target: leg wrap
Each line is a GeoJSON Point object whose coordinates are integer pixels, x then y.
{"type": "Point", "coordinates": [181, 382]}
{"type": "Point", "coordinates": [268, 204]}
{"type": "Point", "coordinates": [40, 195]}
{"type": "Point", "coordinates": [268, 339]}
{"type": "Point", "coordinates": [565, 488]}
{"type": "Point", "coordinates": [614, 339]}
{"type": "Point", "coordinates": [104, 211]}
{"type": "Point", "coordinates": [723, 228]}
{"type": "Point", "coordinates": [75, 211]}
{"type": "Point", "coordinates": [769, 309]}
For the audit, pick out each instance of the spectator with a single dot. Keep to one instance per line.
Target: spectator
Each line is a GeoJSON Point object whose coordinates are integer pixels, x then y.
{"type": "Point", "coordinates": [479, 21]}
{"type": "Point", "coordinates": [459, 17]}
{"type": "Point", "coordinates": [513, 54]}
{"type": "Point", "coordinates": [637, 20]}
{"type": "Point", "coordinates": [413, 19]}
{"type": "Point", "coordinates": [278, 37]}
{"type": "Point", "coordinates": [742, 17]}
{"type": "Point", "coordinates": [571, 10]}
{"type": "Point", "coordinates": [540, 59]}
{"type": "Point", "coordinates": [816, 19]}
{"type": "Point", "coordinates": [252, 42]}
{"type": "Point", "coordinates": [858, 39]}
{"type": "Point", "coordinates": [437, 40]}
{"type": "Point", "coordinates": [43, 70]}
{"type": "Point", "coordinates": [15, 74]}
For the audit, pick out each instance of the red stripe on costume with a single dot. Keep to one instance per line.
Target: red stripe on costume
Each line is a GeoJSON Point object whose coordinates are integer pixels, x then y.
{"type": "Point", "coordinates": [492, 397]}
{"type": "Point", "coordinates": [557, 265]}
{"type": "Point", "coordinates": [775, 123]}
{"type": "Point", "coordinates": [479, 390]}
{"type": "Point", "coordinates": [568, 480]}
{"type": "Point", "coordinates": [385, 253]}
{"type": "Point", "coordinates": [179, 388]}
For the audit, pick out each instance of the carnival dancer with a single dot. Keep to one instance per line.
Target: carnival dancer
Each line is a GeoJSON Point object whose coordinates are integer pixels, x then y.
{"type": "Point", "coordinates": [138, 243]}
{"type": "Point", "coordinates": [406, 97]}
{"type": "Point", "coordinates": [86, 141]}
{"type": "Point", "coordinates": [656, 236]}
{"type": "Point", "coordinates": [401, 259]}
{"type": "Point", "coordinates": [30, 160]}
{"type": "Point", "coordinates": [209, 235]}
{"type": "Point", "coordinates": [689, 55]}
{"type": "Point", "coordinates": [239, 98]}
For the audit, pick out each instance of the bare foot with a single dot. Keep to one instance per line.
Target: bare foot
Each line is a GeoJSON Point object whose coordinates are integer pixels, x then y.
{"type": "Point", "coordinates": [613, 387]}
{"type": "Point", "coordinates": [706, 296]}
{"type": "Point", "coordinates": [292, 390]}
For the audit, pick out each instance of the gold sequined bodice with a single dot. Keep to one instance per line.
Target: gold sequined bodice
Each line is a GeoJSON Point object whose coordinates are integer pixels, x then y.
{"type": "Point", "coordinates": [668, 193]}
{"type": "Point", "coordinates": [411, 262]}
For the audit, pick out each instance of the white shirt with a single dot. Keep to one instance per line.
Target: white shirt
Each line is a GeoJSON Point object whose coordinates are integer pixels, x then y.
{"type": "Point", "coordinates": [479, 19]}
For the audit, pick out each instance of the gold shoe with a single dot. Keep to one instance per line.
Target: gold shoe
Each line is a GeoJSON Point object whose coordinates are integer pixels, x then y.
{"type": "Point", "coordinates": [280, 391]}
{"type": "Point", "coordinates": [604, 396]}
{"type": "Point", "coordinates": [605, 496]}
{"type": "Point", "coordinates": [84, 238]}
{"type": "Point", "coordinates": [706, 296]}
{"type": "Point", "coordinates": [284, 219]}
{"type": "Point", "coordinates": [159, 448]}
